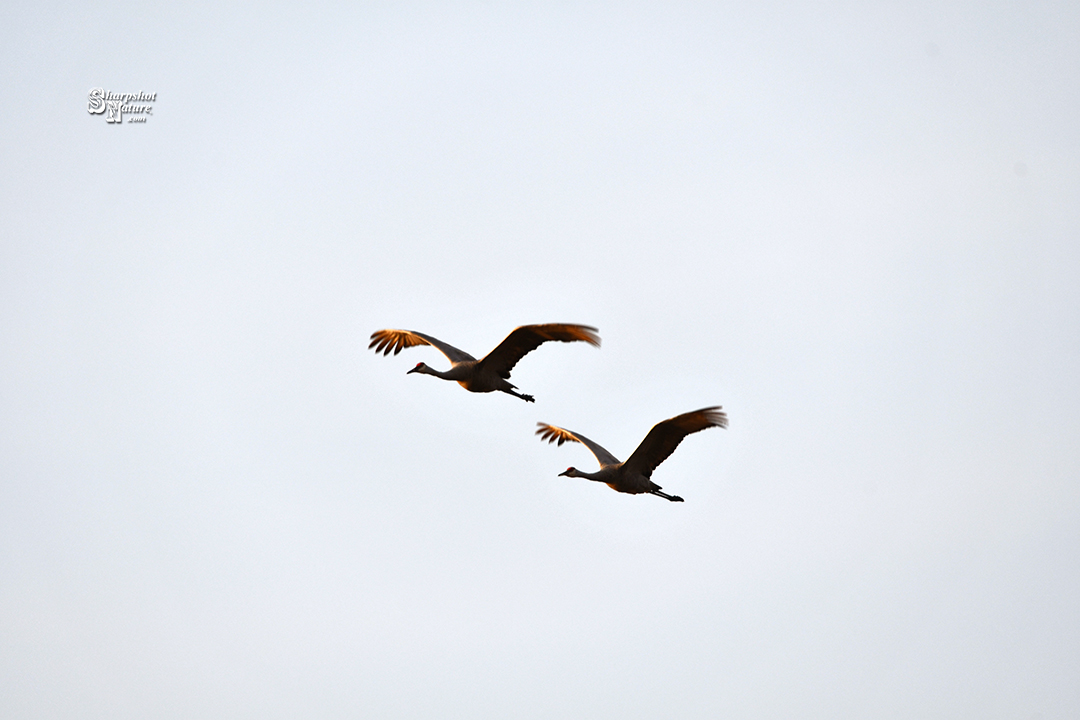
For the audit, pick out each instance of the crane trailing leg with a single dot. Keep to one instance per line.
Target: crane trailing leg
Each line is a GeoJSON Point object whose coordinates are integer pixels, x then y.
{"type": "Point", "coordinates": [526, 398]}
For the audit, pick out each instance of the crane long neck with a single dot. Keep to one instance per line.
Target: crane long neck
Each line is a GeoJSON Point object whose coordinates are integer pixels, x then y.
{"type": "Point", "coordinates": [428, 370]}
{"type": "Point", "coordinates": [600, 475]}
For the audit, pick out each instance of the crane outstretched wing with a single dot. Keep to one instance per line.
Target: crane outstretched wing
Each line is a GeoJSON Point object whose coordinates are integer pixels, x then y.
{"type": "Point", "coordinates": [557, 434]}
{"type": "Point", "coordinates": [665, 437]}
{"type": "Point", "coordinates": [386, 340]}
{"type": "Point", "coordinates": [527, 338]}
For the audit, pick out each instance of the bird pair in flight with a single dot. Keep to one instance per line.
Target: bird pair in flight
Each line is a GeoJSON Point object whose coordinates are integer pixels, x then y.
{"type": "Point", "coordinates": [492, 373]}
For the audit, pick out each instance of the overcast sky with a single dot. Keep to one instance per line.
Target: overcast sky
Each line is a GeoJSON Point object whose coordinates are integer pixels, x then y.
{"type": "Point", "coordinates": [856, 226]}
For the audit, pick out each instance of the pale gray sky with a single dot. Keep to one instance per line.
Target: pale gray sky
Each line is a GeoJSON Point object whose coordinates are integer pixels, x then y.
{"type": "Point", "coordinates": [855, 226]}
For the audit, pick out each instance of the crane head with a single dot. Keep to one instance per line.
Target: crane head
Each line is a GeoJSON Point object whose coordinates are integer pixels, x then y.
{"type": "Point", "coordinates": [420, 367]}
{"type": "Point", "coordinates": [569, 472]}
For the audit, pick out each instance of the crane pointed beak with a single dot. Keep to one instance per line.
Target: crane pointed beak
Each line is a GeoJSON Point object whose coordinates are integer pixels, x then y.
{"type": "Point", "coordinates": [564, 473]}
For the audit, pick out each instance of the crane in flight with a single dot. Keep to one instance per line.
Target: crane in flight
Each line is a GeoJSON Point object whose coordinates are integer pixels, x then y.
{"type": "Point", "coordinates": [633, 475]}
{"type": "Point", "coordinates": [492, 371]}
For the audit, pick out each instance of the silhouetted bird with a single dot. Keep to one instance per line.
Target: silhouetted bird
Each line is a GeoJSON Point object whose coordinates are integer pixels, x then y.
{"type": "Point", "coordinates": [490, 373]}
{"type": "Point", "coordinates": [633, 475]}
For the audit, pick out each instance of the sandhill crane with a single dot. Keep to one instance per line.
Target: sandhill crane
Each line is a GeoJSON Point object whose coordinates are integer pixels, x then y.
{"type": "Point", "coordinates": [490, 373]}
{"type": "Point", "coordinates": [633, 475]}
